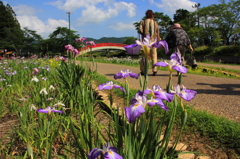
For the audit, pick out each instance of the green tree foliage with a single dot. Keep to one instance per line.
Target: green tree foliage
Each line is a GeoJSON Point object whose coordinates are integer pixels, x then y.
{"type": "Point", "coordinates": [10, 31]}
{"type": "Point", "coordinates": [164, 22]}
{"type": "Point", "coordinates": [59, 38]}
{"type": "Point", "coordinates": [31, 41]}
{"type": "Point", "coordinates": [129, 40]}
{"type": "Point", "coordinates": [219, 23]}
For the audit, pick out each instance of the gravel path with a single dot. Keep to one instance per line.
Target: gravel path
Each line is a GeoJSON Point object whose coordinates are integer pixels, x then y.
{"type": "Point", "coordinates": [219, 96]}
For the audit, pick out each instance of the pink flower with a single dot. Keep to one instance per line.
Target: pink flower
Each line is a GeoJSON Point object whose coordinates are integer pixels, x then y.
{"type": "Point", "coordinates": [80, 40]}
{"type": "Point", "coordinates": [91, 43]}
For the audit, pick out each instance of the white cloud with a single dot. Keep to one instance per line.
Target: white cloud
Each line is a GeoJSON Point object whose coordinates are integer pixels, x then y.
{"type": "Point", "coordinates": [24, 10]}
{"type": "Point", "coordinates": [96, 11]}
{"type": "Point", "coordinates": [123, 26]}
{"type": "Point", "coordinates": [42, 28]}
{"type": "Point", "coordinates": [72, 5]}
{"type": "Point", "coordinates": [170, 6]}
{"type": "Point", "coordinates": [96, 15]}
{"type": "Point", "coordinates": [130, 7]}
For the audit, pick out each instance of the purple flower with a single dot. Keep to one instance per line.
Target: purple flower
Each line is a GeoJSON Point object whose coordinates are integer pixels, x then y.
{"type": "Point", "coordinates": [139, 102]}
{"type": "Point", "coordinates": [49, 110]}
{"type": "Point", "coordinates": [146, 44]}
{"type": "Point", "coordinates": [157, 101]}
{"type": "Point", "coordinates": [134, 111]}
{"type": "Point", "coordinates": [160, 44]}
{"type": "Point", "coordinates": [124, 74]}
{"type": "Point", "coordinates": [158, 92]}
{"type": "Point", "coordinates": [109, 85]}
{"type": "Point", "coordinates": [185, 94]}
{"type": "Point", "coordinates": [108, 152]}
{"type": "Point", "coordinates": [174, 63]}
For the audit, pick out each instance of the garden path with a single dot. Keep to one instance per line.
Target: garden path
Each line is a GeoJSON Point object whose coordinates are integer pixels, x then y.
{"type": "Point", "coordinates": [216, 95]}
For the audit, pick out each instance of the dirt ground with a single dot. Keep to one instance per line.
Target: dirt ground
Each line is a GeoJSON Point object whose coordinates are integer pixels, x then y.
{"type": "Point", "coordinates": [201, 145]}
{"type": "Point", "coordinates": [195, 142]}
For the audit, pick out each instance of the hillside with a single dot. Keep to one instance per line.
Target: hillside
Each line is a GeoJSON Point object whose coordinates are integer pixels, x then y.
{"type": "Point", "coordinates": [107, 39]}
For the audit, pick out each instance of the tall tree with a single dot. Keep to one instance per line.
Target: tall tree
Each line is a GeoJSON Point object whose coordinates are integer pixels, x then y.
{"type": "Point", "coordinates": [10, 31]}
{"type": "Point", "coordinates": [164, 22]}
{"type": "Point", "coordinates": [60, 37]}
{"type": "Point", "coordinates": [185, 18]}
{"type": "Point", "coordinates": [226, 18]}
{"type": "Point", "coordinates": [129, 40]}
{"type": "Point", "coordinates": [31, 41]}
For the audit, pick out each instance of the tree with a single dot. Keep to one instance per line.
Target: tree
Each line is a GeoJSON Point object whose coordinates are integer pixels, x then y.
{"type": "Point", "coordinates": [129, 40]}
{"type": "Point", "coordinates": [60, 37]}
{"type": "Point", "coordinates": [10, 31]}
{"type": "Point", "coordinates": [164, 23]}
{"type": "Point", "coordinates": [222, 19]}
{"type": "Point", "coordinates": [31, 41]}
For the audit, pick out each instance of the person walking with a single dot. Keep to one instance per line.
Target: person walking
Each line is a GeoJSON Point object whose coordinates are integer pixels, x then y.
{"type": "Point", "coordinates": [149, 27]}
{"type": "Point", "coordinates": [178, 40]}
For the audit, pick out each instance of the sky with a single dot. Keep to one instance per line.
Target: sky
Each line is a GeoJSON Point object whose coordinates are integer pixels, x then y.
{"type": "Point", "coordinates": [94, 18]}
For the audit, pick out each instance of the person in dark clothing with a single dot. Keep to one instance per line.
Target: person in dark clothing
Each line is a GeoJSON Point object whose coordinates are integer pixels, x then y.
{"type": "Point", "coordinates": [178, 40]}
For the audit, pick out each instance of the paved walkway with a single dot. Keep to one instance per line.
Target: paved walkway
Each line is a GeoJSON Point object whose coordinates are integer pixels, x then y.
{"type": "Point", "coordinates": [216, 95]}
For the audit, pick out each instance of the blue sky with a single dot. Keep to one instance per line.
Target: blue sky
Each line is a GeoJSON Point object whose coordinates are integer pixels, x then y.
{"type": "Point", "coordinates": [95, 18]}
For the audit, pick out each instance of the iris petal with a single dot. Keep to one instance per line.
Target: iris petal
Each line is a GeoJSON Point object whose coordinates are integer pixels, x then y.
{"type": "Point", "coordinates": [163, 64]}
{"type": "Point", "coordinates": [133, 112]}
{"type": "Point", "coordinates": [133, 49]}
{"type": "Point", "coordinates": [180, 68]}
{"type": "Point", "coordinates": [188, 94]}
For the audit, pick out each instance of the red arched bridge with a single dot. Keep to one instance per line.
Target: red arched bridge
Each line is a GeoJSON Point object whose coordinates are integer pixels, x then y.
{"type": "Point", "coordinates": [102, 46]}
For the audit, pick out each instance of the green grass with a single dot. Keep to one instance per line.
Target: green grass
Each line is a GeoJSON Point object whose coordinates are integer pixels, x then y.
{"type": "Point", "coordinates": [219, 129]}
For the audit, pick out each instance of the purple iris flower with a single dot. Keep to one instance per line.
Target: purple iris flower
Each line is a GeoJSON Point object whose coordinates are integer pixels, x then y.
{"type": "Point", "coordinates": [158, 92]}
{"type": "Point", "coordinates": [174, 63]}
{"type": "Point", "coordinates": [109, 85]}
{"type": "Point", "coordinates": [124, 74]}
{"type": "Point", "coordinates": [185, 94]}
{"type": "Point", "coordinates": [146, 44]}
{"type": "Point", "coordinates": [49, 110]}
{"type": "Point", "coordinates": [157, 101]}
{"type": "Point", "coordinates": [134, 111]}
{"type": "Point", "coordinates": [139, 102]}
{"type": "Point", "coordinates": [108, 152]}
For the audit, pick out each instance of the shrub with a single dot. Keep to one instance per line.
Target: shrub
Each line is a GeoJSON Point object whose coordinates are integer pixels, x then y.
{"type": "Point", "coordinates": [229, 50]}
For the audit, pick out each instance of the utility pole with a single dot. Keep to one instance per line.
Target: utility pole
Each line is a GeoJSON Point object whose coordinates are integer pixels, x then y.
{"type": "Point", "coordinates": [69, 27]}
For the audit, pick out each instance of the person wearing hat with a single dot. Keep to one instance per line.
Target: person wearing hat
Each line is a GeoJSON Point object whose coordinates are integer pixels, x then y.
{"type": "Point", "coordinates": [178, 40]}
{"type": "Point", "coordinates": [150, 27]}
